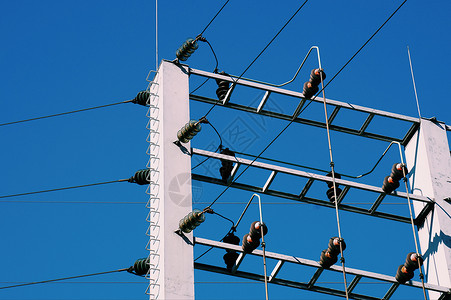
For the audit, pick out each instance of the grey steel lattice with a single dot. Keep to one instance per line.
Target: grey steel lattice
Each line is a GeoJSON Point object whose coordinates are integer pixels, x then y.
{"type": "Point", "coordinates": [311, 285]}
{"type": "Point", "coordinates": [265, 188]}
{"type": "Point", "coordinates": [337, 105]}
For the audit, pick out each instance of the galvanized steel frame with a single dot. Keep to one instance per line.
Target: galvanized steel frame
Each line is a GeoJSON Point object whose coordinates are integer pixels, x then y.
{"type": "Point", "coordinates": [265, 188]}
{"type": "Point", "coordinates": [281, 258]}
{"type": "Point", "coordinates": [336, 104]}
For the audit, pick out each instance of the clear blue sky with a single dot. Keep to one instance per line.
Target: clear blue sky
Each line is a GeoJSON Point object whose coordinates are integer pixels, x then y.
{"type": "Point", "coordinates": [59, 55]}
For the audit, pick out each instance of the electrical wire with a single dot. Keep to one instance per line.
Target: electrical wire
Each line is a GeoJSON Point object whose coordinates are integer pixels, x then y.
{"type": "Point", "coordinates": [60, 279]}
{"type": "Point", "coordinates": [334, 185]}
{"type": "Point", "coordinates": [219, 147]}
{"type": "Point", "coordinates": [363, 46]}
{"type": "Point", "coordinates": [64, 113]}
{"type": "Point", "coordinates": [288, 125]}
{"type": "Point", "coordinates": [409, 203]}
{"type": "Point", "coordinates": [70, 202]}
{"type": "Point", "coordinates": [225, 218]}
{"type": "Point", "coordinates": [63, 188]}
{"type": "Point", "coordinates": [216, 66]}
{"type": "Point", "coordinates": [413, 82]}
{"type": "Point", "coordinates": [211, 21]}
{"type": "Point", "coordinates": [264, 49]}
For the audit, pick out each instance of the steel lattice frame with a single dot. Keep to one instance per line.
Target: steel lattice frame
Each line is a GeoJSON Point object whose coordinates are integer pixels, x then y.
{"type": "Point", "coordinates": [414, 124]}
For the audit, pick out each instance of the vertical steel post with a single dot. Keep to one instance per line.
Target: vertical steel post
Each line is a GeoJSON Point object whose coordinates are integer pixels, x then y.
{"type": "Point", "coordinates": [171, 271]}
{"type": "Point", "coordinates": [429, 161]}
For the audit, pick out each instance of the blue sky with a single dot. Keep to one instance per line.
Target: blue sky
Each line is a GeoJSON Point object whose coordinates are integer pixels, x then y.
{"type": "Point", "coordinates": [60, 56]}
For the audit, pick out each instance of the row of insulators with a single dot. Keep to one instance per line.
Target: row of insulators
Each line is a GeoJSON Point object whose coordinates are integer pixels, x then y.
{"type": "Point", "coordinates": [329, 256]}
{"type": "Point", "coordinates": [191, 221]}
{"type": "Point", "coordinates": [223, 86]}
{"type": "Point", "coordinates": [226, 165]}
{"type": "Point", "coordinates": [311, 86]}
{"type": "Point", "coordinates": [141, 266]}
{"type": "Point", "coordinates": [250, 242]}
{"type": "Point", "coordinates": [391, 182]}
{"type": "Point", "coordinates": [330, 192]}
{"type": "Point", "coordinates": [188, 131]}
{"type": "Point", "coordinates": [406, 271]}
{"type": "Point", "coordinates": [141, 177]}
{"type": "Point", "coordinates": [186, 49]}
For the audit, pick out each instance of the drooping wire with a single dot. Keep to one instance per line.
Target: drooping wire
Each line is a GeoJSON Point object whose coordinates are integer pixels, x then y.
{"type": "Point", "coordinates": [294, 117]}
{"type": "Point", "coordinates": [64, 278]}
{"type": "Point", "coordinates": [217, 149]}
{"type": "Point", "coordinates": [64, 113]}
{"type": "Point", "coordinates": [216, 66]}
{"type": "Point", "coordinates": [264, 49]}
{"type": "Point", "coordinates": [63, 188]}
{"type": "Point", "coordinates": [70, 202]}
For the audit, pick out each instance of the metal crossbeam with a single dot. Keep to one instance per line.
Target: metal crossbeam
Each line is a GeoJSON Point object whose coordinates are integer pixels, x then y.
{"type": "Point", "coordinates": [311, 178]}
{"type": "Point", "coordinates": [268, 89]}
{"type": "Point", "coordinates": [310, 263]}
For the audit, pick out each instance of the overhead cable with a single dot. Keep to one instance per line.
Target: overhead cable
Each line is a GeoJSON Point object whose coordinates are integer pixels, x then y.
{"type": "Point", "coordinates": [211, 21]}
{"type": "Point", "coordinates": [264, 49]}
{"type": "Point", "coordinates": [63, 188]}
{"type": "Point", "coordinates": [288, 125]}
{"type": "Point", "coordinates": [64, 113]}
{"type": "Point", "coordinates": [64, 278]}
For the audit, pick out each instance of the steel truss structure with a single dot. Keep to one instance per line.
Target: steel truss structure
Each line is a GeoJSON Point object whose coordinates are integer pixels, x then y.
{"type": "Point", "coordinates": [311, 284]}
{"type": "Point", "coordinates": [302, 196]}
{"type": "Point", "coordinates": [337, 106]}
{"type": "Point", "coordinates": [422, 215]}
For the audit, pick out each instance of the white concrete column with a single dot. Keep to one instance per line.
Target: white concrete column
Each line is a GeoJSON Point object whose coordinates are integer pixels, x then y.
{"type": "Point", "coordinates": [171, 257]}
{"type": "Point", "coordinates": [428, 158]}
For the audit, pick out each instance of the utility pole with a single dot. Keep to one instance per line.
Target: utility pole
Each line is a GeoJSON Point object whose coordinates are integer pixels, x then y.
{"type": "Point", "coordinates": [171, 273]}
{"type": "Point", "coordinates": [171, 263]}
{"type": "Point", "coordinates": [428, 158]}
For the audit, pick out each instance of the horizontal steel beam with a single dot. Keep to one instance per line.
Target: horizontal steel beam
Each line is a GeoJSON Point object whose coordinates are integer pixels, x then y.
{"type": "Point", "coordinates": [286, 117]}
{"type": "Point", "coordinates": [308, 175]}
{"type": "Point", "coordinates": [314, 264]}
{"type": "Point", "coordinates": [309, 200]}
{"type": "Point", "coordinates": [278, 90]}
{"type": "Point", "coordinates": [282, 282]}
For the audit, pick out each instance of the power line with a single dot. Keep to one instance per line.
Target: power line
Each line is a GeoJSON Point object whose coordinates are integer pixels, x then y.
{"type": "Point", "coordinates": [215, 69]}
{"type": "Point", "coordinates": [60, 279]}
{"type": "Point", "coordinates": [63, 188]}
{"type": "Point", "coordinates": [380, 27]}
{"type": "Point", "coordinates": [288, 125]}
{"type": "Point", "coordinates": [211, 21]}
{"type": "Point", "coordinates": [70, 202]}
{"type": "Point", "coordinates": [264, 49]}
{"type": "Point", "coordinates": [64, 113]}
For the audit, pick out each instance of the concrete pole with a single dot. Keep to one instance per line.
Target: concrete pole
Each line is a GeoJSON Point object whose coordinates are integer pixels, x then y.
{"type": "Point", "coordinates": [429, 161]}
{"type": "Point", "coordinates": [171, 271]}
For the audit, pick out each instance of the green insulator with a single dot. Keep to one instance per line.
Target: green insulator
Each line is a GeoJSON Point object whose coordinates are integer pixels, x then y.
{"type": "Point", "coordinates": [186, 49]}
{"type": "Point", "coordinates": [188, 131]}
{"type": "Point", "coordinates": [142, 98]}
{"type": "Point", "coordinates": [141, 177]}
{"type": "Point", "coordinates": [141, 266]}
{"type": "Point", "coordinates": [191, 221]}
